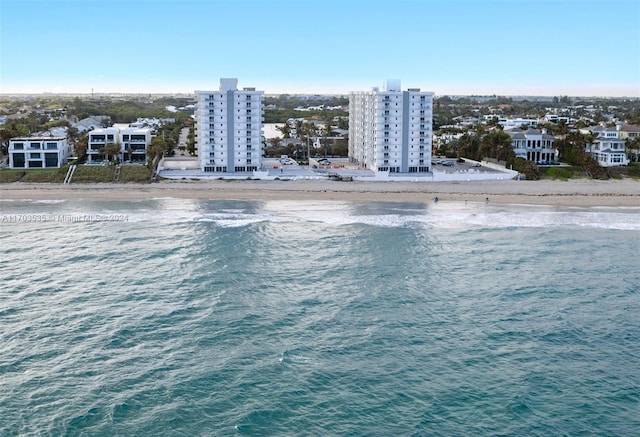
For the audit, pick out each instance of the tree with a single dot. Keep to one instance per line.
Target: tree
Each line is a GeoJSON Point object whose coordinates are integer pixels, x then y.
{"type": "Point", "coordinates": [12, 129]}
{"type": "Point", "coordinates": [111, 150]}
{"type": "Point", "coordinates": [572, 151]}
{"type": "Point", "coordinates": [326, 133]}
{"type": "Point", "coordinates": [129, 152]}
{"type": "Point", "coordinates": [80, 147]}
{"type": "Point", "coordinates": [496, 144]}
{"type": "Point", "coordinates": [158, 147]}
{"type": "Point", "coordinates": [633, 149]}
{"type": "Point", "coordinates": [72, 133]}
{"type": "Point", "coordinates": [275, 142]}
{"type": "Point", "coordinates": [306, 131]}
{"type": "Point", "coordinates": [285, 130]}
{"type": "Point", "coordinates": [524, 166]}
{"type": "Point", "coordinates": [468, 146]}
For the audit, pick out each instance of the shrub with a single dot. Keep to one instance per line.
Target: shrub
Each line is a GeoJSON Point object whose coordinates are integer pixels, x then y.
{"type": "Point", "coordinates": [561, 173]}
{"type": "Point", "coordinates": [93, 173]}
{"type": "Point", "coordinates": [52, 175]}
{"type": "Point", "coordinates": [9, 175]}
{"type": "Point", "coordinates": [528, 168]}
{"type": "Point", "coordinates": [135, 173]}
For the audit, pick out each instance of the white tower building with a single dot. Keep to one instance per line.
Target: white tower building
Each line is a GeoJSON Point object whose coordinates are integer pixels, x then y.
{"type": "Point", "coordinates": [390, 130]}
{"type": "Point", "coordinates": [229, 128]}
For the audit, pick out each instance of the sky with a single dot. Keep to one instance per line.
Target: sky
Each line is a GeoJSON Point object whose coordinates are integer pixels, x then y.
{"type": "Point", "coordinates": [450, 47]}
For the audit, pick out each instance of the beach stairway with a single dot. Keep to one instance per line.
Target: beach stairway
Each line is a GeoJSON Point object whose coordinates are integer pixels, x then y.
{"type": "Point", "coordinates": [70, 172]}
{"type": "Point", "coordinates": [154, 169]}
{"type": "Point", "coordinates": [116, 174]}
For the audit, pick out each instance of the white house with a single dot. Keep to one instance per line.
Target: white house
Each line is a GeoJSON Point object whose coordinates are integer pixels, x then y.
{"type": "Point", "coordinates": [38, 152]}
{"type": "Point", "coordinates": [390, 130]}
{"type": "Point", "coordinates": [97, 140]}
{"type": "Point", "coordinates": [229, 128]}
{"type": "Point", "coordinates": [609, 152]}
{"type": "Point", "coordinates": [533, 145]}
{"type": "Point", "coordinates": [517, 122]}
{"type": "Point", "coordinates": [608, 147]}
{"type": "Point", "coordinates": [133, 142]}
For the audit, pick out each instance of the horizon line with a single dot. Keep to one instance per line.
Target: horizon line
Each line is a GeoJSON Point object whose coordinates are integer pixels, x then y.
{"type": "Point", "coordinates": [174, 93]}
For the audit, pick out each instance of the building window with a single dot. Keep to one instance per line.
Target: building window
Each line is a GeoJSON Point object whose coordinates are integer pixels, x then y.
{"type": "Point", "coordinates": [18, 160]}
{"type": "Point", "coordinates": [50, 159]}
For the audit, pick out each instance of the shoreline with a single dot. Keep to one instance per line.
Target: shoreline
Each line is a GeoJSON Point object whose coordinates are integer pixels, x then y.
{"type": "Point", "coordinates": [572, 193]}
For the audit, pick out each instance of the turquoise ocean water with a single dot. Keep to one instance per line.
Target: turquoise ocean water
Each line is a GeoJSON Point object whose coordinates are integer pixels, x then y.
{"type": "Point", "coordinates": [184, 318]}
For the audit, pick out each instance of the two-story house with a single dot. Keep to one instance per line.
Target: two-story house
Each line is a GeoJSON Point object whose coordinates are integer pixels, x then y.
{"type": "Point", "coordinates": [38, 152]}
{"type": "Point", "coordinates": [533, 145]}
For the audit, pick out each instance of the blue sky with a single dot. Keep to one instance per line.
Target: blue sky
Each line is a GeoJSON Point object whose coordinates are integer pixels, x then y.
{"type": "Point", "coordinates": [504, 47]}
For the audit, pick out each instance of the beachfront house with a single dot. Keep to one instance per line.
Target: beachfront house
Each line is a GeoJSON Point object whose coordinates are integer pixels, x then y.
{"type": "Point", "coordinates": [390, 130]}
{"type": "Point", "coordinates": [97, 142]}
{"type": "Point", "coordinates": [229, 127]}
{"type": "Point", "coordinates": [609, 152]}
{"type": "Point", "coordinates": [608, 146]}
{"type": "Point", "coordinates": [133, 144]}
{"type": "Point", "coordinates": [533, 145]}
{"type": "Point", "coordinates": [38, 152]}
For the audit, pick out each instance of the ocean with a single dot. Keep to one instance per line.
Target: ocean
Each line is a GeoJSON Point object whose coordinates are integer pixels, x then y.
{"type": "Point", "coordinates": [204, 318]}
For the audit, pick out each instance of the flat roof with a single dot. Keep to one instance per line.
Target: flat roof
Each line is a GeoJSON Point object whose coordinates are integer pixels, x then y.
{"type": "Point", "coordinates": [38, 138]}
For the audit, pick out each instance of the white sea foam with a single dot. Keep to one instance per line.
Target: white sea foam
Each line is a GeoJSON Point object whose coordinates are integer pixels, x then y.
{"type": "Point", "coordinates": [450, 218]}
{"type": "Point", "coordinates": [452, 215]}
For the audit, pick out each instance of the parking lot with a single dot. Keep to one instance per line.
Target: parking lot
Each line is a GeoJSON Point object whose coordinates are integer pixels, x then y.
{"type": "Point", "coordinates": [453, 165]}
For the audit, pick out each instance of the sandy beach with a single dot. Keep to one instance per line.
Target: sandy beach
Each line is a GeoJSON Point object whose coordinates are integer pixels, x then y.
{"type": "Point", "coordinates": [576, 193]}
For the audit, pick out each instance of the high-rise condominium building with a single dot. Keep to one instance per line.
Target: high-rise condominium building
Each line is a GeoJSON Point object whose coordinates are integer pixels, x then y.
{"type": "Point", "coordinates": [390, 130]}
{"type": "Point", "coordinates": [229, 128]}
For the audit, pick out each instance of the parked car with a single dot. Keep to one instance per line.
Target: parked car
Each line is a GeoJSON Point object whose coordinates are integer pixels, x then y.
{"type": "Point", "coordinates": [447, 163]}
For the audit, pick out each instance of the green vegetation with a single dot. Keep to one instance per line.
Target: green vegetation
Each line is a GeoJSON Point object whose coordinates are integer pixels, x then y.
{"type": "Point", "coordinates": [632, 171]}
{"type": "Point", "coordinates": [51, 175]}
{"type": "Point", "coordinates": [282, 115]}
{"type": "Point", "coordinates": [285, 101]}
{"type": "Point", "coordinates": [9, 175]}
{"type": "Point", "coordinates": [126, 110]}
{"type": "Point", "coordinates": [562, 173]}
{"type": "Point", "coordinates": [572, 151]}
{"type": "Point", "coordinates": [527, 168]}
{"type": "Point", "coordinates": [135, 173]}
{"type": "Point", "coordinates": [93, 173]}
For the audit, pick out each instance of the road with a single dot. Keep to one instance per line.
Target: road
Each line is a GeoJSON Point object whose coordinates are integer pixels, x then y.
{"type": "Point", "coordinates": [182, 142]}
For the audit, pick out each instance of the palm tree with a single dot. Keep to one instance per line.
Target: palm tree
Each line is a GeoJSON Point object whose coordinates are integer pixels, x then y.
{"type": "Point", "coordinates": [111, 150]}
{"type": "Point", "coordinates": [275, 142]}
{"type": "Point", "coordinates": [307, 130]}
{"type": "Point", "coordinates": [72, 133]}
{"type": "Point", "coordinates": [285, 130]}
{"type": "Point", "coordinates": [327, 134]}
